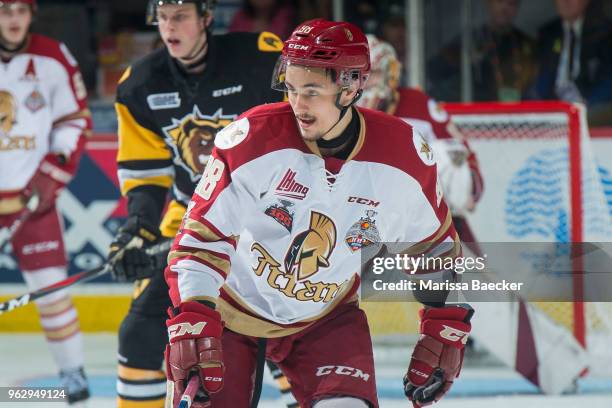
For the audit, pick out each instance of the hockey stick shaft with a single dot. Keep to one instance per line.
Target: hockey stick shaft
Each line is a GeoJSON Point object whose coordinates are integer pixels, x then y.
{"type": "Point", "coordinates": [190, 392]}
{"type": "Point", "coordinates": [80, 277]}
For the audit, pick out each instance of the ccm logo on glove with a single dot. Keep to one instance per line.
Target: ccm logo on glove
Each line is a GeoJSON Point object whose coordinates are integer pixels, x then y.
{"type": "Point", "coordinates": [180, 329]}
{"type": "Point", "coordinates": [452, 334]}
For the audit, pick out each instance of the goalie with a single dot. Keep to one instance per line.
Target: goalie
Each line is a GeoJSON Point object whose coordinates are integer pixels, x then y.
{"type": "Point", "coordinates": [276, 207]}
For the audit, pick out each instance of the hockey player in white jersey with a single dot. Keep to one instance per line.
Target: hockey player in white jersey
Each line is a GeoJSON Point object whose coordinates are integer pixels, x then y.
{"type": "Point", "coordinates": [43, 120]}
{"type": "Point", "coordinates": [270, 246]}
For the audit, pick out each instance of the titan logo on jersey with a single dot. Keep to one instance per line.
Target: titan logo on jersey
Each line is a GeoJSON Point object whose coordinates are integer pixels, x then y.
{"type": "Point", "coordinates": [288, 187]}
{"type": "Point", "coordinates": [363, 233]}
{"type": "Point", "coordinates": [192, 139]}
{"type": "Point", "coordinates": [307, 254]}
{"type": "Point", "coordinates": [8, 112]}
{"type": "Point", "coordinates": [8, 118]}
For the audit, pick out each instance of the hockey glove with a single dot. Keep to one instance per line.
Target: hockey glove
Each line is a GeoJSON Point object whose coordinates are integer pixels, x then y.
{"type": "Point", "coordinates": [438, 355]}
{"type": "Point", "coordinates": [47, 182]}
{"type": "Point", "coordinates": [194, 349]}
{"type": "Point", "coordinates": [127, 255]}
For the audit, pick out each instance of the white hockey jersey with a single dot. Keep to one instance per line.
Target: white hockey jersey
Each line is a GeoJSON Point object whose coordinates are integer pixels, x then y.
{"type": "Point", "coordinates": [42, 110]}
{"type": "Point", "coordinates": [274, 231]}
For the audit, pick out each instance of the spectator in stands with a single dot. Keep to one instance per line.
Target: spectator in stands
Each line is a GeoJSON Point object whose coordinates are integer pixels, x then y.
{"type": "Point", "coordinates": [276, 16]}
{"type": "Point", "coordinates": [309, 9]}
{"type": "Point", "coordinates": [575, 58]}
{"type": "Point", "coordinates": [502, 56]}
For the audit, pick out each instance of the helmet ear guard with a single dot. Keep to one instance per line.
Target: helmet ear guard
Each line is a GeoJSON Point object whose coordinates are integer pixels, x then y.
{"type": "Point", "coordinates": [203, 7]}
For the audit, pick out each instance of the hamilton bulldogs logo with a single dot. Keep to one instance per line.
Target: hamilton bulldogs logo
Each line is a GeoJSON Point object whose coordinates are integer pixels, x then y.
{"type": "Point", "coordinates": [281, 214]}
{"type": "Point", "coordinates": [311, 249]}
{"type": "Point", "coordinates": [363, 233]}
{"type": "Point", "coordinates": [192, 139]}
{"type": "Point", "coordinates": [7, 113]}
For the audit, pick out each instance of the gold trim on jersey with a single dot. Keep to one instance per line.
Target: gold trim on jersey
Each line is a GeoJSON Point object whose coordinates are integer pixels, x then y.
{"type": "Point", "coordinates": [11, 205]}
{"type": "Point", "coordinates": [269, 42]}
{"type": "Point", "coordinates": [206, 256]}
{"type": "Point", "coordinates": [126, 74]}
{"type": "Point", "coordinates": [172, 219]}
{"type": "Point", "coordinates": [360, 139]}
{"type": "Point", "coordinates": [137, 142]}
{"type": "Point", "coordinates": [249, 325]}
{"type": "Point", "coordinates": [423, 247]}
{"type": "Point", "coordinates": [82, 114]}
{"type": "Point", "coordinates": [204, 231]}
{"type": "Point", "coordinates": [314, 148]}
{"type": "Point", "coordinates": [162, 181]}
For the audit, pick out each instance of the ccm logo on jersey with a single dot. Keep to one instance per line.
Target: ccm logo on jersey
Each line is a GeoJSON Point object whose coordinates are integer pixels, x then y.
{"type": "Point", "coordinates": [227, 91]}
{"type": "Point", "coordinates": [299, 47]}
{"type": "Point", "coordinates": [363, 201]}
{"type": "Point", "coordinates": [164, 101]}
{"type": "Point", "coordinates": [342, 370]}
{"type": "Point", "coordinates": [452, 334]}
{"type": "Point", "coordinates": [180, 329]}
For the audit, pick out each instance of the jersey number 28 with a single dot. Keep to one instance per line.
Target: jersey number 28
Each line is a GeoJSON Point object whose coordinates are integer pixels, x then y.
{"type": "Point", "coordinates": [210, 178]}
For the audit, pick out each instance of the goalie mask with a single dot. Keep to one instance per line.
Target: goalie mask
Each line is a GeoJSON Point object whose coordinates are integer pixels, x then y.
{"type": "Point", "coordinates": [380, 92]}
{"type": "Point", "coordinates": [203, 7]}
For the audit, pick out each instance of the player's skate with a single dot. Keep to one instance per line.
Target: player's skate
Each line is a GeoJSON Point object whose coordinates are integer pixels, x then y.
{"type": "Point", "coordinates": [75, 383]}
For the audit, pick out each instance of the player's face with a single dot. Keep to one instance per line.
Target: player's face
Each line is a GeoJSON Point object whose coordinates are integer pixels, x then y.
{"type": "Point", "coordinates": [182, 29]}
{"type": "Point", "coordinates": [15, 20]}
{"type": "Point", "coordinates": [312, 95]}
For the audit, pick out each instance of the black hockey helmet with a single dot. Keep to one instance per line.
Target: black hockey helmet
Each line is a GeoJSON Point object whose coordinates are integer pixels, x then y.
{"type": "Point", "coordinates": [203, 7]}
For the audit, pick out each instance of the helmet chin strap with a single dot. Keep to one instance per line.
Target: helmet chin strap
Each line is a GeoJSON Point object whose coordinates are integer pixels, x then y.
{"type": "Point", "coordinates": [338, 141]}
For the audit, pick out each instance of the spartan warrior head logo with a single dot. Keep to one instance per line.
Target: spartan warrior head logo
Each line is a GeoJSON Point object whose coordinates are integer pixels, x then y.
{"type": "Point", "coordinates": [193, 138]}
{"type": "Point", "coordinates": [311, 249]}
{"type": "Point", "coordinates": [7, 112]}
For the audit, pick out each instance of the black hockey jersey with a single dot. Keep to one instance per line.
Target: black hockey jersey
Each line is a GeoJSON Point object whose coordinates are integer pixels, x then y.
{"type": "Point", "coordinates": [168, 119]}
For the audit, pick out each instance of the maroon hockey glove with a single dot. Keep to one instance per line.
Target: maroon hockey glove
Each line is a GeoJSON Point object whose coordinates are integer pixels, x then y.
{"type": "Point", "coordinates": [438, 355]}
{"type": "Point", "coordinates": [47, 182]}
{"type": "Point", "coordinates": [195, 349]}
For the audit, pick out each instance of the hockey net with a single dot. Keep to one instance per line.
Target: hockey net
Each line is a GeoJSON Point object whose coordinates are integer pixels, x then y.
{"type": "Point", "coordinates": [542, 184]}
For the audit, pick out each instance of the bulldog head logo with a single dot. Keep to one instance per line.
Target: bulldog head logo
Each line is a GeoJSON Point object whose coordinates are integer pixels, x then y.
{"type": "Point", "coordinates": [311, 249]}
{"type": "Point", "coordinates": [193, 138]}
{"type": "Point", "coordinates": [7, 112]}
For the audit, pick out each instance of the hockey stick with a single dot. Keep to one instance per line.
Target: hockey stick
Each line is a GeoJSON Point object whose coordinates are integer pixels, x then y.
{"type": "Point", "coordinates": [190, 392]}
{"type": "Point", "coordinates": [7, 233]}
{"type": "Point", "coordinates": [85, 276]}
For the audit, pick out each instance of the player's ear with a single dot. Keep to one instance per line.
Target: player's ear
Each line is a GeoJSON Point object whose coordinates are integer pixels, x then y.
{"type": "Point", "coordinates": [348, 94]}
{"type": "Point", "coordinates": [207, 18]}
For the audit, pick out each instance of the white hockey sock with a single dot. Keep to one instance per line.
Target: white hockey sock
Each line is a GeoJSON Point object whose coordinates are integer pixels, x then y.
{"type": "Point", "coordinates": [59, 319]}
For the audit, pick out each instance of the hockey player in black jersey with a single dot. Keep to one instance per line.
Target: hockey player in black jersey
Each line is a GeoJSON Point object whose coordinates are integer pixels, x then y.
{"type": "Point", "coordinates": [170, 105]}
